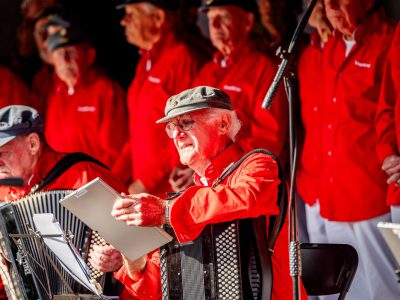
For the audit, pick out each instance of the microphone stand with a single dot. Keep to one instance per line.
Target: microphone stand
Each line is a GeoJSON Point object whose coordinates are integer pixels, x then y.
{"type": "Point", "coordinates": [287, 72]}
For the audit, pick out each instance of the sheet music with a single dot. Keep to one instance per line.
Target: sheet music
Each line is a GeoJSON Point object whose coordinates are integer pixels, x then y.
{"type": "Point", "coordinates": [65, 252]}
{"type": "Point", "coordinates": [93, 202]}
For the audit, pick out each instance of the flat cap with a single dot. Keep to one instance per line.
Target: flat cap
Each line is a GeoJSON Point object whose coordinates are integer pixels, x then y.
{"type": "Point", "coordinates": [167, 4]}
{"type": "Point", "coordinates": [18, 120]}
{"type": "Point", "coordinates": [247, 5]}
{"type": "Point", "coordinates": [71, 35]}
{"type": "Point", "coordinates": [197, 98]}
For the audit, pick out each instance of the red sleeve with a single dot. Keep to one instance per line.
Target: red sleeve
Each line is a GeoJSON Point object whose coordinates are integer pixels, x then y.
{"type": "Point", "coordinates": [250, 192]}
{"type": "Point", "coordinates": [147, 286]}
{"type": "Point", "coordinates": [390, 94]}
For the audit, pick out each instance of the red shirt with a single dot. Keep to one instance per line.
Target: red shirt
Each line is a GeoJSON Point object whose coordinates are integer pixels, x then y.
{"type": "Point", "coordinates": [76, 176]}
{"type": "Point", "coordinates": [164, 71]}
{"type": "Point", "coordinates": [250, 191]}
{"type": "Point", "coordinates": [352, 184]}
{"type": "Point", "coordinates": [92, 120]}
{"type": "Point", "coordinates": [309, 86]}
{"type": "Point", "coordinates": [246, 76]}
{"type": "Point", "coordinates": [12, 89]}
{"type": "Point", "coordinates": [388, 116]}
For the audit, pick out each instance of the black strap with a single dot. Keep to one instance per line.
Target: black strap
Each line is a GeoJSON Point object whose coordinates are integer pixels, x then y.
{"type": "Point", "coordinates": [63, 165]}
{"type": "Point", "coordinates": [276, 222]}
{"type": "Point", "coordinates": [265, 242]}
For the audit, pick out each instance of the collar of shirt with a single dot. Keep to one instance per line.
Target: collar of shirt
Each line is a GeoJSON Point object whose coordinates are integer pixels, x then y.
{"type": "Point", "coordinates": [369, 25]}
{"type": "Point", "coordinates": [218, 164]}
{"type": "Point", "coordinates": [83, 82]}
{"type": "Point", "coordinates": [167, 40]}
{"type": "Point", "coordinates": [46, 162]}
{"type": "Point", "coordinates": [226, 61]}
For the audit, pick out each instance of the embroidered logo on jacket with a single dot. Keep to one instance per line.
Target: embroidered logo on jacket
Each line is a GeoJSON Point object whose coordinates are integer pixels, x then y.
{"type": "Point", "coordinates": [154, 79]}
{"type": "Point", "coordinates": [362, 65]}
{"type": "Point", "coordinates": [86, 108]}
{"type": "Point", "coordinates": [232, 88]}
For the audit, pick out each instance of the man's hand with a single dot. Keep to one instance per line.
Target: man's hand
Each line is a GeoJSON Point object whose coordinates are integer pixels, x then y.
{"type": "Point", "coordinates": [391, 165]}
{"type": "Point", "coordinates": [105, 258]}
{"type": "Point", "coordinates": [135, 267]}
{"type": "Point", "coordinates": [140, 210]}
{"type": "Point", "coordinates": [320, 22]}
{"type": "Point", "coordinates": [181, 179]}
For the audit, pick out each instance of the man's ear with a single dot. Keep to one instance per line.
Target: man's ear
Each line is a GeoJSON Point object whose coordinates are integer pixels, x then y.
{"type": "Point", "coordinates": [91, 55]}
{"type": "Point", "coordinates": [250, 19]}
{"type": "Point", "coordinates": [159, 16]}
{"type": "Point", "coordinates": [33, 143]}
{"type": "Point", "coordinates": [224, 124]}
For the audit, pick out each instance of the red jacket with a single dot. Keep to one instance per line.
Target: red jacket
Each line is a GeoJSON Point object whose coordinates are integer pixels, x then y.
{"type": "Point", "coordinates": [76, 176]}
{"type": "Point", "coordinates": [352, 184]}
{"type": "Point", "coordinates": [246, 76]}
{"type": "Point", "coordinates": [250, 191]}
{"type": "Point", "coordinates": [91, 120]}
{"type": "Point", "coordinates": [12, 89]}
{"type": "Point", "coordinates": [310, 89]}
{"type": "Point", "coordinates": [388, 117]}
{"type": "Point", "coordinates": [162, 72]}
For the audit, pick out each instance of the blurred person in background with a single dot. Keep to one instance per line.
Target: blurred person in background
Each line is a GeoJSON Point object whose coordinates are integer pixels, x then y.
{"type": "Point", "coordinates": [92, 104]}
{"type": "Point", "coordinates": [167, 66]}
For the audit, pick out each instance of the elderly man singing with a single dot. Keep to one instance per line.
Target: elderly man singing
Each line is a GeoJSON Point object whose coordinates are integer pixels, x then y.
{"type": "Point", "coordinates": [203, 126]}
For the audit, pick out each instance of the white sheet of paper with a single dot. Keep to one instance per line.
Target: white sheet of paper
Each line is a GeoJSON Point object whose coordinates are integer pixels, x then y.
{"type": "Point", "coordinates": [67, 255]}
{"type": "Point", "coordinates": [93, 202]}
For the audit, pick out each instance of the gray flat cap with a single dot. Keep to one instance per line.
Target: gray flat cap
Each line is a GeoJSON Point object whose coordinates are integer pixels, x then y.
{"type": "Point", "coordinates": [18, 120]}
{"type": "Point", "coordinates": [197, 98]}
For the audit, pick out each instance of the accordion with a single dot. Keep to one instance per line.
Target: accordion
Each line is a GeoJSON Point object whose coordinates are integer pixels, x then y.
{"type": "Point", "coordinates": [27, 272]}
{"type": "Point", "coordinates": [225, 262]}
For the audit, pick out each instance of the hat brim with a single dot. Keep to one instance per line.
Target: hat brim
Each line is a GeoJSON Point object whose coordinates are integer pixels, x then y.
{"type": "Point", "coordinates": [181, 112]}
{"type": "Point", "coordinates": [6, 139]}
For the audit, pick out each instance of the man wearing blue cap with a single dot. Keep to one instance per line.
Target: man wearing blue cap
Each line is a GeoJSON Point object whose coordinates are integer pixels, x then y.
{"type": "Point", "coordinates": [166, 67]}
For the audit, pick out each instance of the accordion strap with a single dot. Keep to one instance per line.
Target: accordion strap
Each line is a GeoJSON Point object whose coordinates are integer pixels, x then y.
{"type": "Point", "coordinates": [63, 165]}
{"type": "Point", "coordinates": [265, 241]}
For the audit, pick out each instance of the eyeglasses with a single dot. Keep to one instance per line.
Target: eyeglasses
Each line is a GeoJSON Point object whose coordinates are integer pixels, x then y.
{"type": "Point", "coordinates": [185, 123]}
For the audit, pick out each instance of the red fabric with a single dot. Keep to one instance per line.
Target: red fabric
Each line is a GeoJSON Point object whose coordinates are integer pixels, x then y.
{"type": "Point", "coordinates": [42, 85]}
{"type": "Point", "coordinates": [250, 191]}
{"type": "Point", "coordinates": [92, 120]}
{"type": "Point", "coordinates": [170, 69]}
{"type": "Point", "coordinates": [352, 184]}
{"type": "Point", "coordinates": [388, 117]}
{"type": "Point", "coordinates": [76, 176]}
{"type": "Point", "coordinates": [12, 89]}
{"type": "Point", "coordinates": [246, 76]}
{"type": "Point", "coordinates": [147, 285]}
{"type": "Point", "coordinates": [310, 87]}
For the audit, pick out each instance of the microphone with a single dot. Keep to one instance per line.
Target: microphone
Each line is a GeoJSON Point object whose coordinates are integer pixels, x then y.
{"type": "Point", "coordinates": [12, 181]}
{"type": "Point", "coordinates": [273, 89]}
{"type": "Point", "coordinates": [287, 56]}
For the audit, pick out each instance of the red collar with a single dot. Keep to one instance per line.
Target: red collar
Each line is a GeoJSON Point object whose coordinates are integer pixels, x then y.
{"type": "Point", "coordinates": [219, 163]}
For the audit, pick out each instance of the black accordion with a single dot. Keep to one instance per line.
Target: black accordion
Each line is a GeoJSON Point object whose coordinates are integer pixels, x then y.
{"type": "Point", "coordinates": [226, 262]}
{"type": "Point", "coordinates": [25, 271]}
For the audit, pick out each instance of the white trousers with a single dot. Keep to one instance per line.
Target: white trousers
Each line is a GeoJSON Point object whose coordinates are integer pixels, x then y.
{"type": "Point", "coordinates": [375, 278]}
